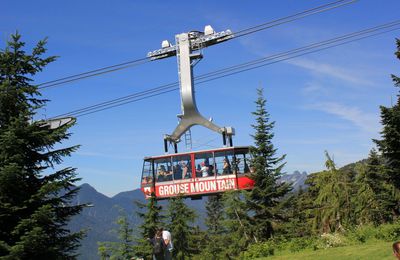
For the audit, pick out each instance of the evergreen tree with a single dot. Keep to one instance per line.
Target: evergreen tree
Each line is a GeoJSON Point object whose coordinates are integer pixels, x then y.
{"type": "Point", "coordinates": [122, 249]}
{"type": "Point", "coordinates": [237, 223]}
{"type": "Point", "coordinates": [373, 201]}
{"type": "Point", "coordinates": [332, 198]}
{"type": "Point", "coordinates": [214, 245]}
{"type": "Point", "coordinates": [268, 191]}
{"type": "Point", "coordinates": [389, 145]}
{"type": "Point", "coordinates": [179, 216]}
{"type": "Point", "coordinates": [125, 249]}
{"type": "Point", "coordinates": [197, 242]}
{"type": "Point", "coordinates": [104, 250]}
{"type": "Point", "coordinates": [297, 210]}
{"type": "Point", "coordinates": [152, 220]}
{"type": "Point", "coordinates": [34, 203]}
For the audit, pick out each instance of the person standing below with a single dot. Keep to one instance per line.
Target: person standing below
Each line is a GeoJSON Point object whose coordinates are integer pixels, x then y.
{"type": "Point", "coordinates": [168, 243]}
{"type": "Point", "coordinates": [159, 246]}
{"type": "Point", "coordinates": [396, 249]}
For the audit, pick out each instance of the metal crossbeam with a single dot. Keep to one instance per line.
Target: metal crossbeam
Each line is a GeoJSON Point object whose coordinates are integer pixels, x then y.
{"type": "Point", "coordinates": [198, 41]}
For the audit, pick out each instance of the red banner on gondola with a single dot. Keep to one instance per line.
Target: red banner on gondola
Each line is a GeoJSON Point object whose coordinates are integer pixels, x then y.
{"type": "Point", "coordinates": [195, 187]}
{"type": "Point", "coordinates": [206, 185]}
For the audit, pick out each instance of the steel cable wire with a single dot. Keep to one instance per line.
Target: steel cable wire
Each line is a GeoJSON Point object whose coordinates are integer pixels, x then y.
{"type": "Point", "coordinates": [238, 68]}
{"type": "Point", "coordinates": [124, 65]}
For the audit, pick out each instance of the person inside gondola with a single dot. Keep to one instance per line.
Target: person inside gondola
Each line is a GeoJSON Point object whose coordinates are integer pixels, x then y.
{"type": "Point", "coordinates": [211, 171]}
{"type": "Point", "coordinates": [147, 179]}
{"type": "Point", "coordinates": [177, 171]}
{"type": "Point", "coordinates": [185, 171]}
{"type": "Point", "coordinates": [198, 170]}
{"type": "Point", "coordinates": [161, 173]}
{"type": "Point", "coordinates": [203, 172]}
{"type": "Point", "coordinates": [226, 168]}
{"type": "Point", "coordinates": [235, 164]}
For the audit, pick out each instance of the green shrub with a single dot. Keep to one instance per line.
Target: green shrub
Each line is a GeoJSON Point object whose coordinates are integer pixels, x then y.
{"type": "Point", "coordinates": [259, 250]}
{"type": "Point", "coordinates": [388, 232]}
{"type": "Point", "coordinates": [362, 233]}
{"type": "Point", "coordinates": [300, 243]}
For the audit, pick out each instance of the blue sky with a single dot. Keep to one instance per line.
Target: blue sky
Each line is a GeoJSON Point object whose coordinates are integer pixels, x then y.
{"type": "Point", "coordinates": [323, 101]}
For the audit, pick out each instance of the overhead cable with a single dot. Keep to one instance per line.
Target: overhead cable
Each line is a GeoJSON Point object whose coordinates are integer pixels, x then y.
{"type": "Point", "coordinates": [250, 30]}
{"type": "Point", "coordinates": [293, 17]}
{"type": "Point", "coordinates": [315, 47]}
{"type": "Point", "coordinates": [93, 73]}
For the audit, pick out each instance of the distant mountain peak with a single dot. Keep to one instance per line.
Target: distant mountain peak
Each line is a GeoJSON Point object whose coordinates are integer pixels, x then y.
{"type": "Point", "coordinates": [297, 179]}
{"type": "Point", "coordinates": [86, 186]}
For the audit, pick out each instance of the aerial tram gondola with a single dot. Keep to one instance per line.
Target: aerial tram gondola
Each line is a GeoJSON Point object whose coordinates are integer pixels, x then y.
{"type": "Point", "coordinates": [206, 172]}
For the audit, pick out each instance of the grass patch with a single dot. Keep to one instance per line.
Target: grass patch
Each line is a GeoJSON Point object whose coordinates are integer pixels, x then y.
{"type": "Point", "coordinates": [372, 250]}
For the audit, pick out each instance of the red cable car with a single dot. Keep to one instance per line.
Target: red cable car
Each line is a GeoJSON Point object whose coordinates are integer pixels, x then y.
{"type": "Point", "coordinates": [193, 174]}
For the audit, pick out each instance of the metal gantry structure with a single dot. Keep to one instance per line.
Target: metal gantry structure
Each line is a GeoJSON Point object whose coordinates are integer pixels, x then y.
{"type": "Point", "coordinates": [187, 49]}
{"type": "Point", "coordinates": [57, 122]}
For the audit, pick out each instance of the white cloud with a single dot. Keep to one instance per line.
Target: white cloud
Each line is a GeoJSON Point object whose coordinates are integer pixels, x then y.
{"type": "Point", "coordinates": [366, 121]}
{"type": "Point", "coordinates": [345, 73]}
{"type": "Point", "coordinates": [312, 88]}
{"type": "Point", "coordinates": [315, 89]}
{"type": "Point", "coordinates": [330, 70]}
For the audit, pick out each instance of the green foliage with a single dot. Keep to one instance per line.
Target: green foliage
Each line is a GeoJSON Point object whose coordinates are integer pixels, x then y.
{"type": "Point", "coordinates": [297, 216]}
{"type": "Point", "coordinates": [197, 243]}
{"type": "Point", "coordinates": [389, 145]}
{"type": "Point", "coordinates": [373, 200]}
{"type": "Point", "coordinates": [367, 233]}
{"type": "Point", "coordinates": [362, 233]}
{"type": "Point", "coordinates": [331, 190]}
{"type": "Point", "coordinates": [300, 243]}
{"type": "Point", "coordinates": [103, 250]}
{"type": "Point", "coordinates": [179, 217]}
{"type": "Point", "coordinates": [34, 203]}
{"type": "Point", "coordinates": [122, 249]}
{"type": "Point", "coordinates": [125, 249]}
{"type": "Point", "coordinates": [237, 223]}
{"type": "Point", "coordinates": [214, 246]}
{"type": "Point", "coordinates": [256, 250]}
{"type": "Point", "coordinates": [266, 196]}
{"type": "Point", "coordinates": [389, 232]}
{"type": "Point", "coordinates": [150, 213]}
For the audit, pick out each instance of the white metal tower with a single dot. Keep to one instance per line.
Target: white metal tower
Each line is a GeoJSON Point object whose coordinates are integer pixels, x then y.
{"type": "Point", "coordinates": [186, 49]}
